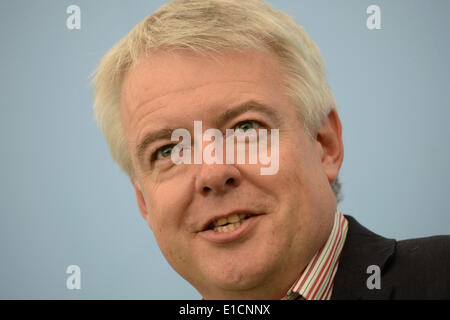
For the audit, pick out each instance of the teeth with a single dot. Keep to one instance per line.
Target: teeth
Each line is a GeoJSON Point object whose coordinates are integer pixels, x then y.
{"type": "Point", "coordinates": [228, 228]}
{"type": "Point", "coordinates": [232, 219]}
{"type": "Point", "coordinates": [228, 224]}
{"type": "Point", "coordinates": [220, 222]}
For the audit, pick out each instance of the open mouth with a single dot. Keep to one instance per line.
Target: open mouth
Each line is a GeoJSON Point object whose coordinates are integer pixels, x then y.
{"type": "Point", "coordinates": [228, 224]}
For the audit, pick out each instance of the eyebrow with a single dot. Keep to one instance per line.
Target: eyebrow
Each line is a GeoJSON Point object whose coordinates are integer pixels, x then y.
{"type": "Point", "coordinates": [149, 138]}
{"type": "Point", "coordinates": [229, 114]}
{"type": "Point", "coordinates": [242, 108]}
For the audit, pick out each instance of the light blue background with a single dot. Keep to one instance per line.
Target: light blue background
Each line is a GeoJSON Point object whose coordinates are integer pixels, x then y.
{"type": "Point", "coordinates": [63, 200]}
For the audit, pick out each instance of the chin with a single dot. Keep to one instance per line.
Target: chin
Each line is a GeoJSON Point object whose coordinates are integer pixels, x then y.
{"type": "Point", "coordinates": [238, 276]}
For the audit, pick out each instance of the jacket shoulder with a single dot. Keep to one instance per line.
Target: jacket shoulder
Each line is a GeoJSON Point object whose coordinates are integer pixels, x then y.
{"type": "Point", "coordinates": [420, 268]}
{"type": "Point", "coordinates": [435, 247]}
{"type": "Point", "coordinates": [409, 269]}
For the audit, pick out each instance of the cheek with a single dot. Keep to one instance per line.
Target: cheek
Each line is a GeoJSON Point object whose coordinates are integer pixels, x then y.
{"type": "Point", "coordinates": [165, 215]}
{"type": "Point", "coordinates": [167, 203]}
{"type": "Point", "coordinates": [299, 163]}
{"type": "Point", "coordinates": [298, 184]}
{"type": "Point", "coordinates": [291, 173]}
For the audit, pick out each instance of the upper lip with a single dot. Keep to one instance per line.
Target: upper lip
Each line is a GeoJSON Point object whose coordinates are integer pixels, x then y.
{"type": "Point", "coordinates": [210, 221]}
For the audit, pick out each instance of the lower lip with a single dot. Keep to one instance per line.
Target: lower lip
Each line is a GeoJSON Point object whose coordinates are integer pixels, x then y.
{"type": "Point", "coordinates": [240, 232]}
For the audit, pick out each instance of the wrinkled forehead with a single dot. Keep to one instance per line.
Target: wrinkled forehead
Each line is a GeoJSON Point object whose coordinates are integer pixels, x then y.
{"type": "Point", "coordinates": [162, 73]}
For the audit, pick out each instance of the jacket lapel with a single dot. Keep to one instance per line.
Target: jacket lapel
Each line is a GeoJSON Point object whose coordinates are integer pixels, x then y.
{"type": "Point", "coordinates": [362, 249]}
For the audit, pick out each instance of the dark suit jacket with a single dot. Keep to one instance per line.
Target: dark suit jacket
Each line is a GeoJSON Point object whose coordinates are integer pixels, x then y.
{"type": "Point", "coordinates": [410, 269]}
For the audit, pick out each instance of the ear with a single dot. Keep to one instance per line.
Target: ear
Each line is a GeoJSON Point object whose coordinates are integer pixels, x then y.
{"type": "Point", "coordinates": [141, 203]}
{"type": "Point", "coordinates": [329, 142]}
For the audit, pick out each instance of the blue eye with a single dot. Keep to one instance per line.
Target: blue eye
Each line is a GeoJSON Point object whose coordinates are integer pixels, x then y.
{"type": "Point", "coordinates": [163, 152]}
{"type": "Point", "coordinates": [247, 125]}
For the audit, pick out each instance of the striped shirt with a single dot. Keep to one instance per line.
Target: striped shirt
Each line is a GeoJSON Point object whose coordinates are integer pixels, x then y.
{"type": "Point", "coordinates": [316, 281]}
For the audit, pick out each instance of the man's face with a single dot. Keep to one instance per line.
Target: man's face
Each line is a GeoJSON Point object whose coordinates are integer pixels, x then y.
{"type": "Point", "coordinates": [291, 212]}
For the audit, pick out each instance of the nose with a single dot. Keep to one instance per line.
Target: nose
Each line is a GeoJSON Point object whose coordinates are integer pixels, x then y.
{"type": "Point", "coordinates": [217, 178]}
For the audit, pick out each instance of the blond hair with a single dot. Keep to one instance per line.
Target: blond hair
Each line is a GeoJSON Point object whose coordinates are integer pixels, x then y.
{"type": "Point", "coordinates": [208, 26]}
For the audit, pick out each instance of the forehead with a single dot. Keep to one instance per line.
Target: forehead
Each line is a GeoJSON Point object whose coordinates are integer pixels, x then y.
{"type": "Point", "coordinates": [161, 77]}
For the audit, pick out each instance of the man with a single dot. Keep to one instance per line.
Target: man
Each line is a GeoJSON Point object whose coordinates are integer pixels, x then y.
{"type": "Point", "coordinates": [229, 230]}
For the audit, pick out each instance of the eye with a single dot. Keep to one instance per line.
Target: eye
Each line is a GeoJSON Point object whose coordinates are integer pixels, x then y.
{"type": "Point", "coordinates": [247, 125]}
{"type": "Point", "coordinates": [163, 152]}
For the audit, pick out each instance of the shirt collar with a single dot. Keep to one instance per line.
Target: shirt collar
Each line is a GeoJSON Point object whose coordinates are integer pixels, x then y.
{"type": "Point", "coordinates": [316, 280]}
